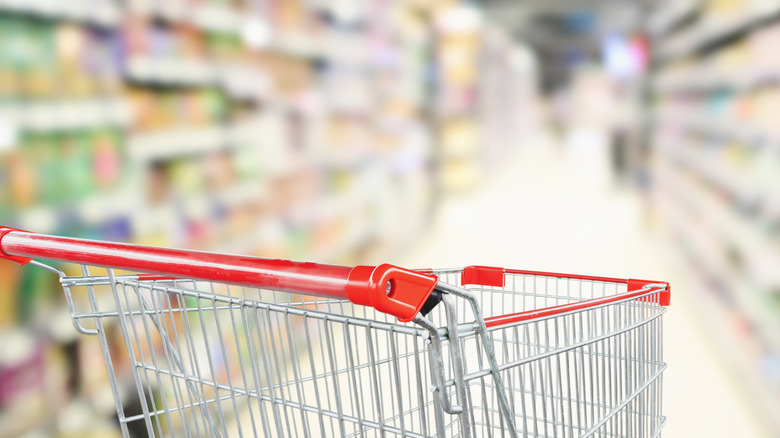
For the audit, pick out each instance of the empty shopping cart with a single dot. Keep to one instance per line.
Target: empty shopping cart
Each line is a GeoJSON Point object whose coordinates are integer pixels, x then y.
{"type": "Point", "coordinates": [205, 344]}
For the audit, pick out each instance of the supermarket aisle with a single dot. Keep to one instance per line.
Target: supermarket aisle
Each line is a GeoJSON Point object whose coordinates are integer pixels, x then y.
{"type": "Point", "coordinates": [551, 210]}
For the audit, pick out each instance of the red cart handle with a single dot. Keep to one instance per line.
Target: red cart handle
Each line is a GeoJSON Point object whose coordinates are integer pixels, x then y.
{"type": "Point", "coordinates": [389, 289]}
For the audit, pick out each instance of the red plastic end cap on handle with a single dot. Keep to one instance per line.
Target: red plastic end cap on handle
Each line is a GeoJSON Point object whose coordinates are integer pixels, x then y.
{"type": "Point", "coordinates": [390, 289]}
{"type": "Point", "coordinates": [4, 255]}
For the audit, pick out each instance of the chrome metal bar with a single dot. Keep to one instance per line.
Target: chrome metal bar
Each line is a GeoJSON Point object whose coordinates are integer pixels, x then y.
{"type": "Point", "coordinates": [491, 356]}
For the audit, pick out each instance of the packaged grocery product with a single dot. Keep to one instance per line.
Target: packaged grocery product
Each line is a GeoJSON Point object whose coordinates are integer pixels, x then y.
{"type": "Point", "coordinates": [107, 161]}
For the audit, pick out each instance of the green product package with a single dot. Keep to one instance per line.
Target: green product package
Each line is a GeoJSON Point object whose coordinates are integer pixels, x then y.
{"type": "Point", "coordinates": [5, 190]}
{"type": "Point", "coordinates": [13, 54]}
{"type": "Point", "coordinates": [78, 171]}
{"type": "Point", "coordinates": [37, 56]}
{"type": "Point", "coordinates": [36, 287]}
{"type": "Point", "coordinates": [51, 168]}
{"type": "Point", "coordinates": [8, 85]}
{"type": "Point", "coordinates": [216, 104]}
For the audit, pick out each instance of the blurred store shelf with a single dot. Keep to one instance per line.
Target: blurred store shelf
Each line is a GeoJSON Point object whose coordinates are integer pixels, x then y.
{"type": "Point", "coordinates": [717, 28]}
{"type": "Point", "coordinates": [670, 14]}
{"type": "Point", "coordinates": [286, 132]}
{"type": "Point", "coordinates": [711, 125]}
{"type": "Point", "coordinates": [66, 115]}
{"type": "Point", "coordinates": [177, 142]}
{"type": "Point", "coordinates": [168, 71]}
{"type": "Point", "coordinates": [101, 13]}
{"type": "Point", "coordinates": [716, 183]}
{"type": "Point", "coordinates": [707, 80]}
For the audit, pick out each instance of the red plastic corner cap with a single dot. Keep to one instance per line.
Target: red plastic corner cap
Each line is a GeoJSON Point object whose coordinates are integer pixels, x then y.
{"type": "Point", "coordinates": [390, 289]}
{"type": "Point", "coordinates": [664, 297]}
{"type": "Point", "coordinates": [13, 258]}
{"type": "Point", "coordinates": [483, 276]}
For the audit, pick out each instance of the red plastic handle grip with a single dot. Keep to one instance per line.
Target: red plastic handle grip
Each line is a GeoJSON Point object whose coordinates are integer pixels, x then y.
{"type": "Point", "coordinates": [363, 285]}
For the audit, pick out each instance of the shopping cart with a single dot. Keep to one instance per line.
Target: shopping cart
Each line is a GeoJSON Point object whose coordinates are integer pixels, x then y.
{"type": "Point", "coordinates": [204, 344]}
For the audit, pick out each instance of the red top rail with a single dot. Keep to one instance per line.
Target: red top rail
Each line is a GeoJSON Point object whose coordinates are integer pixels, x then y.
{"type": "Point", "coordinates": [387, 288]}
{"type": "Point", "coordinates": [638, 293]}
{"type": "Point", "coordinates": [491, 276]}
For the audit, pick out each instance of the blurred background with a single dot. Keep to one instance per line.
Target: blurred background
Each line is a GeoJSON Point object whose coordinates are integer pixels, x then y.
{"type": "Point", "coordinates": [604, 137]}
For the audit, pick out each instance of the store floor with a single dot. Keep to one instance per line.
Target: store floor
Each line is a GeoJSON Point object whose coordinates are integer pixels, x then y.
{"type": "Point", "coordinates": [553, 208]}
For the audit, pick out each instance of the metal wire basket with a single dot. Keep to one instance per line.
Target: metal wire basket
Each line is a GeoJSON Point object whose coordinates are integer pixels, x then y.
{"type": "Point", "coordinates": [221, 345]}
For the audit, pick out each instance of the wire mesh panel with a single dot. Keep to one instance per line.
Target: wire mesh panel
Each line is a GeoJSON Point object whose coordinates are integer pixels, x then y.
{"type": "Point", "coordinates": [590, 372]}
{"type": "Point", "coordinates": [569, 374]}
{"type": "Point", "coordinates": [210, 359]}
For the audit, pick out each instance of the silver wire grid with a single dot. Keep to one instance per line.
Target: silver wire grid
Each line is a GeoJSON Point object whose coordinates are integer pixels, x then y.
{"type": "Point", "coordinates": [196, 358]}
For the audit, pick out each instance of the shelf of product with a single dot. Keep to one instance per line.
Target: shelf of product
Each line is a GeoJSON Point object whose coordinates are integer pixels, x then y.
{"type": "Point", "coordinates": [66, 115]}
{"type": "Point", "coordinates": [100, 13]}
{"type": "Point", "coordinates": [485, 96]}
{"type": "Point", "coordinates": [724, 311]}
{"type": "Point", "coordinates": [748, 234]}
{"type": "Point", "coordinates": [719, 22]}
{"type": "Point", "coordinates": [62, 169]}
{"type": "Point", "coordinates": [741, 65]}
{"type": "Point", "coordinates": [716, 167]}
{"type": "Point", "coordinates": [208, 16]}
{"type": "Point", "coordinates": [670, 14]}
{"type": "Point", "coordinates": [171, 143]}
{"type": "Point", "coordinates": [508, 85]}
{"type": "Point", "coordinates": [740, 319]}
{"type": "Point", "coordinates": [459, 36]}
{"type": "Point", "coordinates": [170, 71]}
{"type": "Point", "coordinates": [709, 125]}
{"type": "Point", "coordinates": [735, 332]}
{"type": "Point", "coordinates": [282, 130]}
